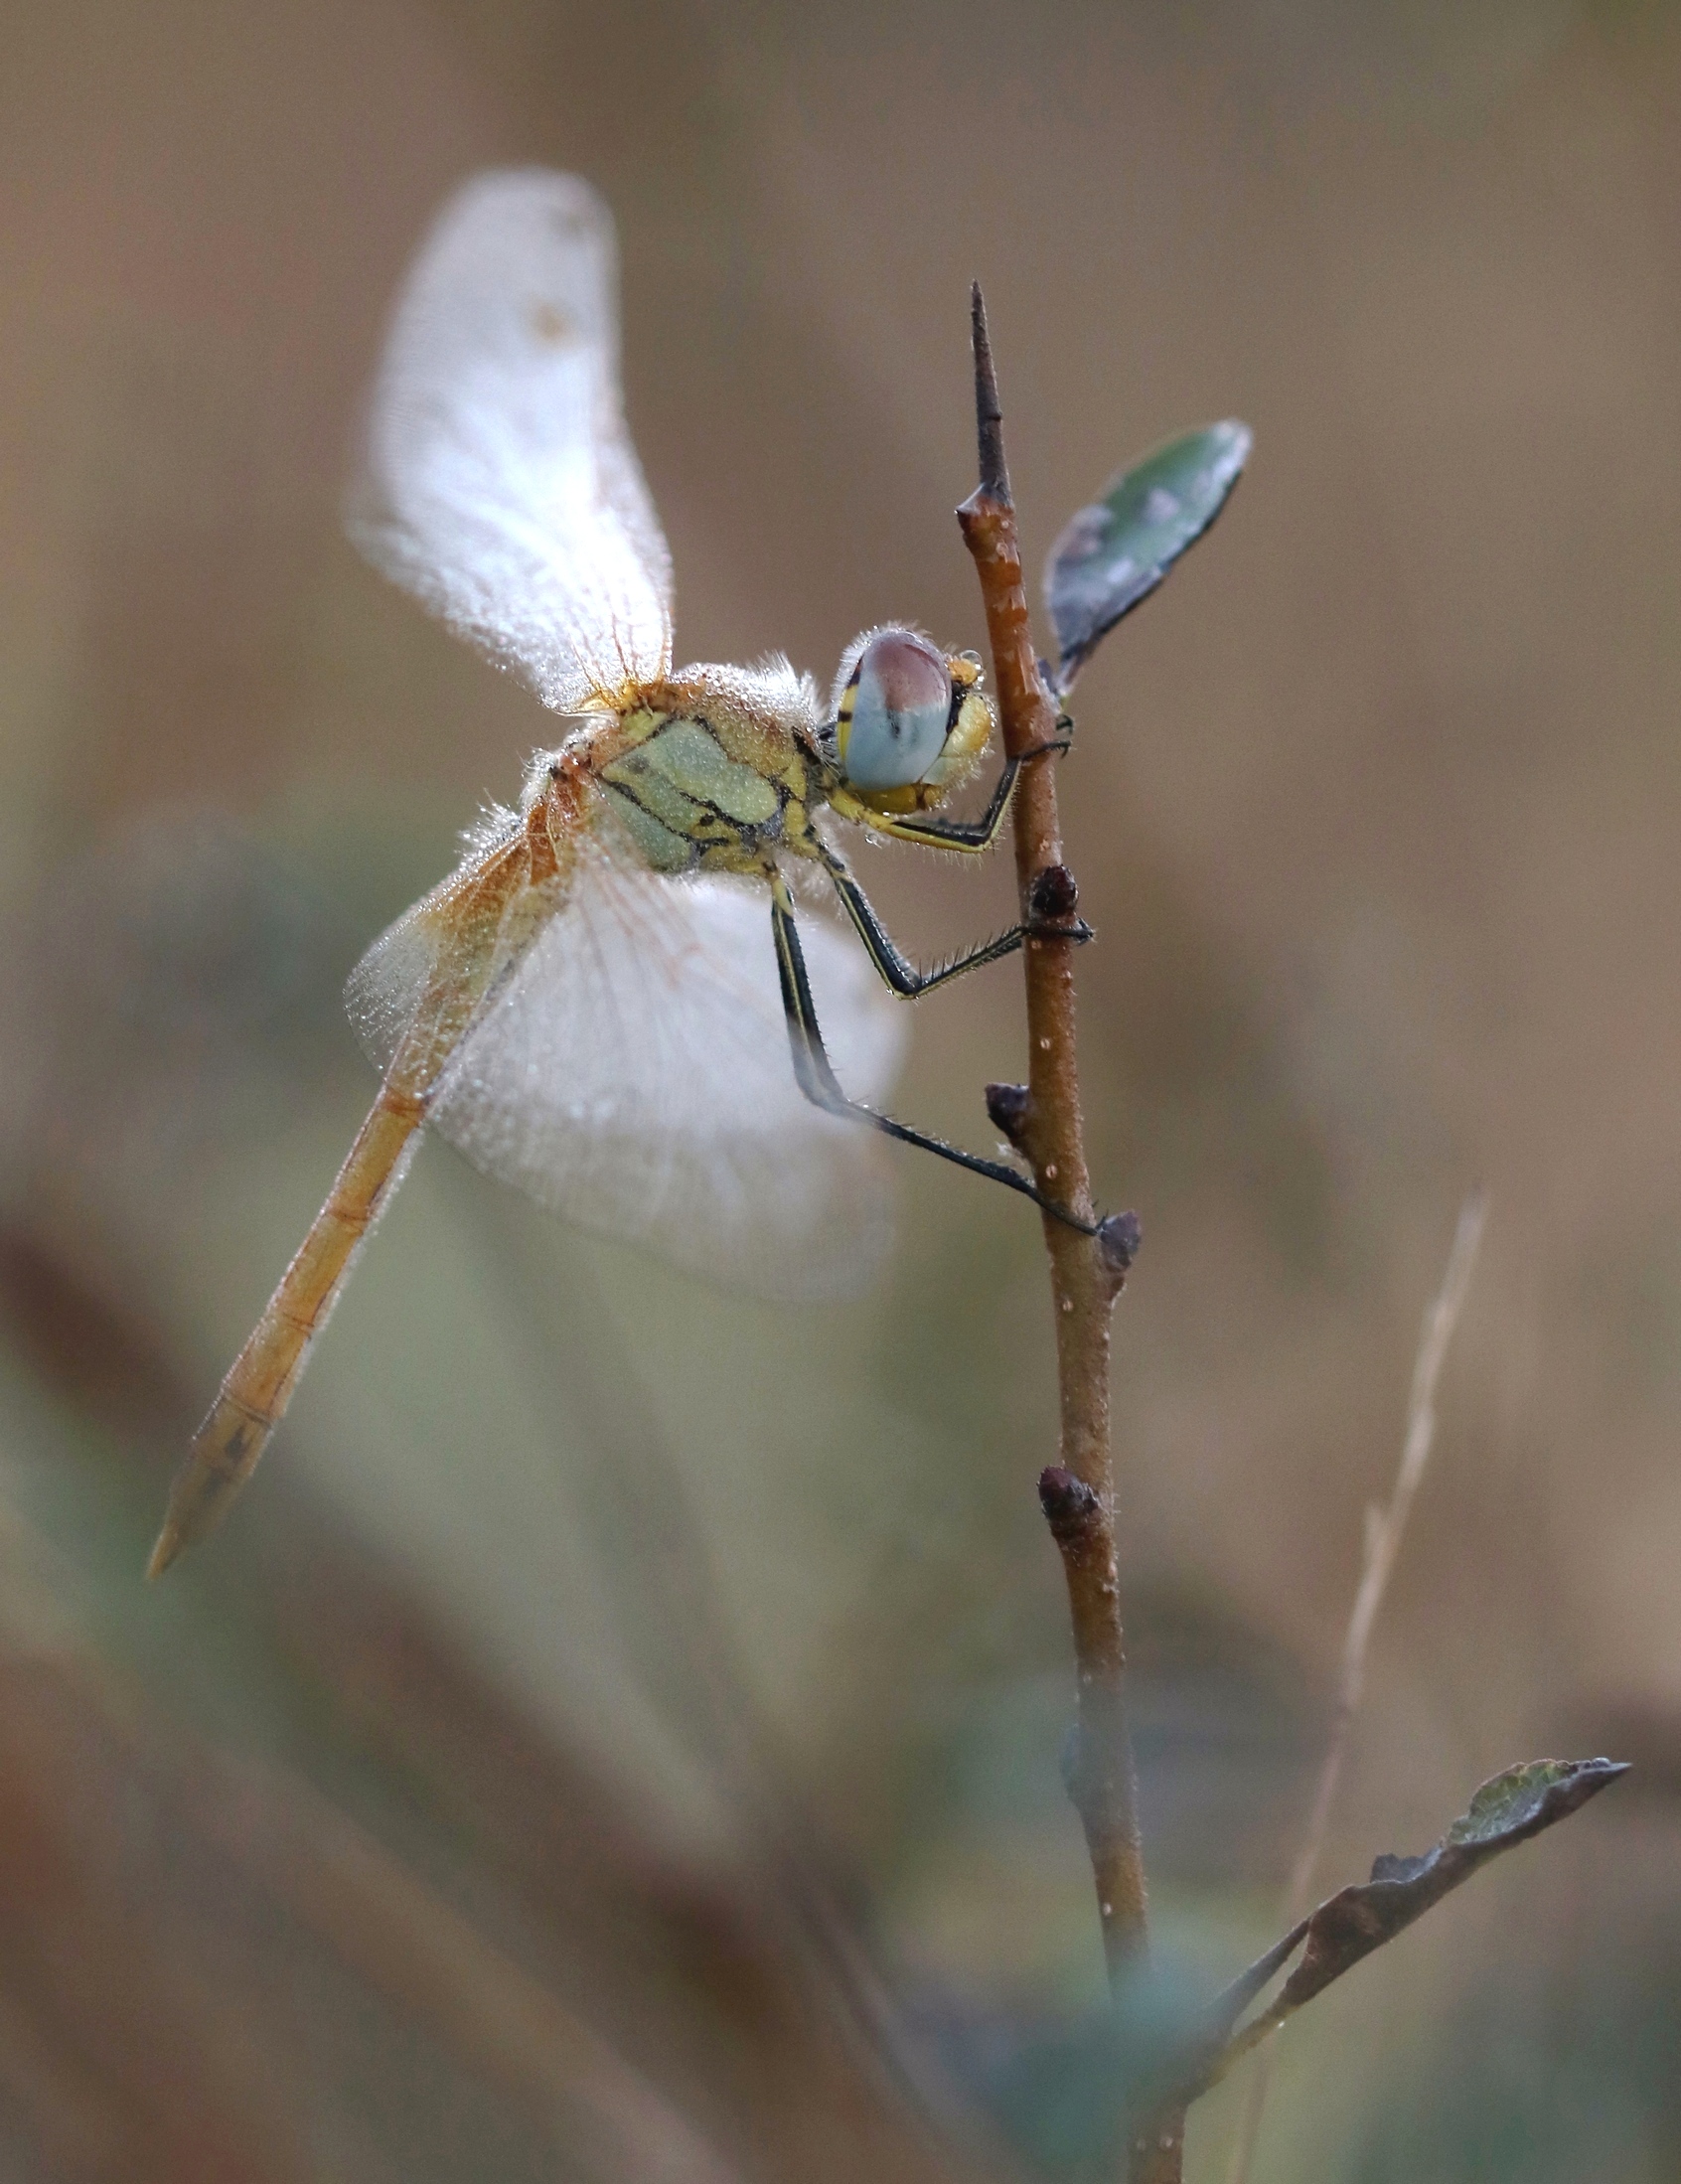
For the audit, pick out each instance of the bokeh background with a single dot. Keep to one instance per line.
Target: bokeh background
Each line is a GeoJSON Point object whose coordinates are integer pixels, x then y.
{"type": "Point", "coordinates": [615, 1703]}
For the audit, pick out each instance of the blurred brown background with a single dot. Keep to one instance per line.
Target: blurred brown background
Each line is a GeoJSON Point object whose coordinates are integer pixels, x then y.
{"type": "Point", "coordinates": [436, 1822]}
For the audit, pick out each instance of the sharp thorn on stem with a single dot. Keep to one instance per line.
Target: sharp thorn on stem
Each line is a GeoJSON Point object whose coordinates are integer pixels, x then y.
{"type": "Point", "coordinates": [988, 418]}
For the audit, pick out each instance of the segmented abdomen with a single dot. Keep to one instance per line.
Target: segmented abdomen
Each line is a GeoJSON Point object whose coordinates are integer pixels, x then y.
{"type": "Point", "coordinates": [260, 1383]}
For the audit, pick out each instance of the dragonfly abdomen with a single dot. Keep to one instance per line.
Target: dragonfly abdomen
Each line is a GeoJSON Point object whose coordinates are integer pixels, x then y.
{"type": "Point", "coordinates": [253, 1397]}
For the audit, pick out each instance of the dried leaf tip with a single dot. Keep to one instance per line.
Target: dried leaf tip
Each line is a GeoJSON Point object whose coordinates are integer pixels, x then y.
{"type": "Point", "coordinates": [988, 418]}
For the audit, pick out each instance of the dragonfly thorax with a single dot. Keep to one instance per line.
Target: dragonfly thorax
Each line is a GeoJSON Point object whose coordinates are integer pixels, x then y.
{"type": "Point", "coordinates": [709, 770]}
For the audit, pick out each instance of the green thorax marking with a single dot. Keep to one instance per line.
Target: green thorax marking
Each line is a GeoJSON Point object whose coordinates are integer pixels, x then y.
{"type": "Point", "coordinates": [687, 803]}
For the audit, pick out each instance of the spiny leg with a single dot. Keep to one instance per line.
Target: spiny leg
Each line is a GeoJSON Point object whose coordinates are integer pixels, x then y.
{"type": "Point", "coordinates": [972, 835]}
{"type": "Point", "coordinates": [817, 1079]}
{"type": "Point", "coordinates": [907, 979]}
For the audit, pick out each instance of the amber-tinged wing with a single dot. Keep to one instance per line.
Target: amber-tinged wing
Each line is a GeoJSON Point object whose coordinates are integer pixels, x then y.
{"type": "Point", "coordinates": [499, 482]}
{"type": "Point", "coordinates": [633, 1075]}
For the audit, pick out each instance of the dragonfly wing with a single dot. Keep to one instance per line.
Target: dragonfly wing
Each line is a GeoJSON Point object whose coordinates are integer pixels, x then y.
{"type": "Point", "coordinates": [430, 949]}
{"type": "Point", "coordinates": [634, 1076]}
{"type": "Point", "coordinates": [499, 483]}
{"type": "Point", "coordinates": [385, 989]}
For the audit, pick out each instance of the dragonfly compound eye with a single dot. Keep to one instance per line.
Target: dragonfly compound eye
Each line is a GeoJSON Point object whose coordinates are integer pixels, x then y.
{"type": "Point", "coordinates": [894, 712]}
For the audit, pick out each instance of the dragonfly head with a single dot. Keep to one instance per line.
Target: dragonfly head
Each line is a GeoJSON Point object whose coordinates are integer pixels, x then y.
{"type": "Point", "coordinates": [910, 720]}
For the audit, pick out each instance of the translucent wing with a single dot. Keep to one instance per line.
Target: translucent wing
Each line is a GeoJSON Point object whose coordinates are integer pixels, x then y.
{"type": "Point", "coordinates": [633, 1075]}
{"type": "Point", "coordinates": [499, 482]}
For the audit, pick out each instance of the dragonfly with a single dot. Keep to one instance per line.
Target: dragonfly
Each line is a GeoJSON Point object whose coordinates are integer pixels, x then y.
{"type": "Point", "coordinates": [590, 1007]}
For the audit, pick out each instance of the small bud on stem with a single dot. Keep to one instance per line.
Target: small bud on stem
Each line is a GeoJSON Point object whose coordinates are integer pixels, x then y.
{"type": "Point", "coordinates": [1009, 1108]}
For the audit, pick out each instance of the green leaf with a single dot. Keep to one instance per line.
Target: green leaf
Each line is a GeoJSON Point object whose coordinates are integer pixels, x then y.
{"type": "Point", "coordinates": [1115, 552]}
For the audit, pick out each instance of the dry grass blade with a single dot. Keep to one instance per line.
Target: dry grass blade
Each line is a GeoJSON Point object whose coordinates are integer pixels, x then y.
{"type": "Point", "coordinates": [1386, 1526]}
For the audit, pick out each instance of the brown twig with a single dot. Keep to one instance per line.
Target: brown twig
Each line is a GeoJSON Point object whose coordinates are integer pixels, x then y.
{"type": "Point", "coordinates": [1385, 1527]}
{"type": "Point", "coordinates": [1087, 1271]}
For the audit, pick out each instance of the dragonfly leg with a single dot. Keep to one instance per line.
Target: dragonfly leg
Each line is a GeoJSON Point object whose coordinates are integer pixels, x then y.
{"type": "Point", "coordinates": [973, 836]}
{"type": "Point", "coordinates": [907, 979]}
{"type": "Point", "coordinates": [816, 1076]}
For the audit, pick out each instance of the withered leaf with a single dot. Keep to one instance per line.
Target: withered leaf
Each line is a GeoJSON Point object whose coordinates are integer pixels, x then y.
{"type": "Point", "coordinates": [1346, 1927]}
